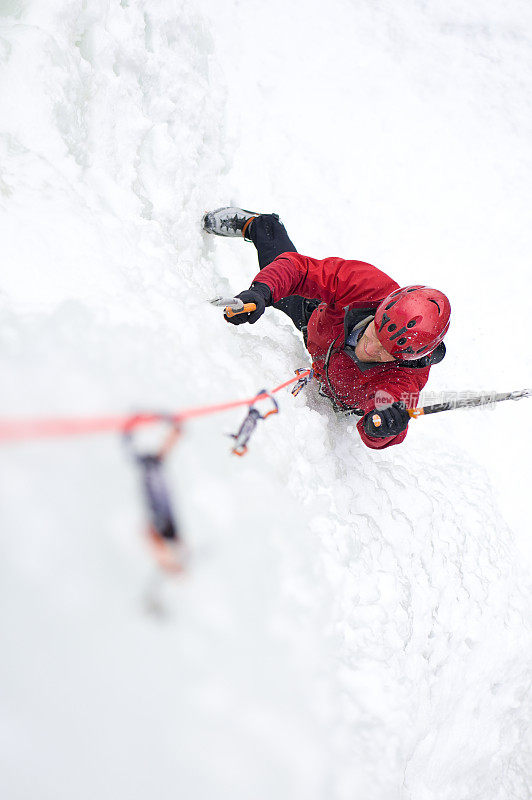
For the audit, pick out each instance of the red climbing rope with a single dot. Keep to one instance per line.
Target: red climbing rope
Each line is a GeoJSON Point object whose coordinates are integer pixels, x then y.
{"type": "Point", "coordinates": [16, 429]}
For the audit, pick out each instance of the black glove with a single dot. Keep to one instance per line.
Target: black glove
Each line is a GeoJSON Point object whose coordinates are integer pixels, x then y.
{"type": "Point", "coordinates": [393, 419]}
{"type": "Point", "coordinates": [258, 293]}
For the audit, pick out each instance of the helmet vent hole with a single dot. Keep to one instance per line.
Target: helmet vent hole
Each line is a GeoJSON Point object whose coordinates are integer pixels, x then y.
{"type": "Point", "coordinates": [411, 323]}
{"type": "Point", "coordinates": [392, 327]}
{"type": "Point", "coordinates": [412, 289]}
{"type": "Point", "coordinates": [402, 340]}
{"type": "Point", "coordinates": [435, 303]}
{"type": "Point", "coordinates": [391, 304]}
{"type": "Point", "coordinates": [385, 319]}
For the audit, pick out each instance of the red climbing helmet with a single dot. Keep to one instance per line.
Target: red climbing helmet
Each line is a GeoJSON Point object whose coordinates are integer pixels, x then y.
{"type": "Point", "coordinates": [412, 321]}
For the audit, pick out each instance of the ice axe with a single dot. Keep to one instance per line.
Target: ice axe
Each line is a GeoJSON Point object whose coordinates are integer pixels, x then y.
{"type": "Point", "coordinates": [471, 401]}
{"type": "Point", "coordinates": [233, 305]}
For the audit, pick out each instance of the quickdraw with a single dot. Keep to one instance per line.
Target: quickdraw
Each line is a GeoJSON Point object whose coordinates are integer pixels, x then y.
{"type": "Point", "coordinates": [243, 435]}
{"type": "Point", "coordinates": [163, 530]}
{"type": "Point", "coordinates": [303, 381]}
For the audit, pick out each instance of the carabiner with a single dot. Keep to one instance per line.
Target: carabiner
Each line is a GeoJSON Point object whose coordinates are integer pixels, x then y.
{"type": "Point", "coordinates": [243, 435]}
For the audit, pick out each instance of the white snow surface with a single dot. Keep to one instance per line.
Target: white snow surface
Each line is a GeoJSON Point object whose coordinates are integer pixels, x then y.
{"type": "Point", "coordinates": [353, 624]}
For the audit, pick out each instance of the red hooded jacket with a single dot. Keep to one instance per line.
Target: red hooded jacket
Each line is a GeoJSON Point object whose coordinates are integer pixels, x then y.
{"type": "Point", "coordinates": [343, 285]}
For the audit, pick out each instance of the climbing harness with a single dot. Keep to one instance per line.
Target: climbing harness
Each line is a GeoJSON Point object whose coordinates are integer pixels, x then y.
{"type": "Point", "coordinates": [337, 402]}
{"type": "Point", "coordinates": [243, 435]}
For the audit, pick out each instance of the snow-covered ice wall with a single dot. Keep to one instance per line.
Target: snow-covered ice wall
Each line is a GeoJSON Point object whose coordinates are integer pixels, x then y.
{"type": "Point", "coordinates": [353, 624]}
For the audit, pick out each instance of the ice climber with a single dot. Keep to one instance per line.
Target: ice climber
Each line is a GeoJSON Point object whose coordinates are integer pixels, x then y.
{"type": "Point", "coordinates": [372, 342]}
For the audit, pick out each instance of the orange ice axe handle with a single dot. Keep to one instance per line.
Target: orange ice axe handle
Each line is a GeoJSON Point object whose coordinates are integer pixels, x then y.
{"type": "Point", "coordinates": [246, 309]}
{"type": "Point", "coordinates": [233, 306]}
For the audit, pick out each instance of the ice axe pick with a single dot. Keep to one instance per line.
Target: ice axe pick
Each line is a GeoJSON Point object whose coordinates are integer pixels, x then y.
{"type": "Point", "coordinates": [233, 305]}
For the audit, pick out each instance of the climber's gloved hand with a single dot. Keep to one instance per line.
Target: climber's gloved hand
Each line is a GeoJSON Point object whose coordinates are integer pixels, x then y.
{"type": "Point", "coordinates": [387, 421]}
{"type": "Point", "coordinates": [258, 293]}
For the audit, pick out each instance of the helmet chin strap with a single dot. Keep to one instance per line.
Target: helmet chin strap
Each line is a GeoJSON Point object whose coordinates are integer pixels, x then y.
{"type": "Point", "coordinates": [437, 355]}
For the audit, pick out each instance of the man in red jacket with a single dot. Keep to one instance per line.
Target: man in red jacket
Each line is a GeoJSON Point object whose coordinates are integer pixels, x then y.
{"type": "Point", "coordinates": [372, 343]}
